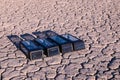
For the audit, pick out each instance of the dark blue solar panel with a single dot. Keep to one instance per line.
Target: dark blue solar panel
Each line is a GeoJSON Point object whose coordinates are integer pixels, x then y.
{"type": "Point", "coordinates": [45, 42]}
{"type": "Point", "coordinates": [70, 37]}
{"type": "Point", "coordinates": [30, 45]}
{"type": "Point", "coordinates": [27, 36]}
{"type": "Point", "coordinates": [58, 39]}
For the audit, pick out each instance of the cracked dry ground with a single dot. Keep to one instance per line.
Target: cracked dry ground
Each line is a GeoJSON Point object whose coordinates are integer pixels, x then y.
{"type": "Point", "coordinates": [96, 22]}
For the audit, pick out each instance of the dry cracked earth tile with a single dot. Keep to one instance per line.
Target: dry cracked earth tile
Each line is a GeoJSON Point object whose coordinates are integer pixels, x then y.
{"type": "Point", "coordinates": [53, 60]}
{"type": "Point", "coordinates": [50, 73]}
{"type": "Point", "coordinates": [29, 68]}
{"type": "Point", "coordinates": [114, 63]}
{"type": "Point", "coordinates": [72, 69]}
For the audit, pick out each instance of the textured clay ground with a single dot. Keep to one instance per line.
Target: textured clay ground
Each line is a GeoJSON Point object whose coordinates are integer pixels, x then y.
{"type": "Point", "coordinates": [97, 22]}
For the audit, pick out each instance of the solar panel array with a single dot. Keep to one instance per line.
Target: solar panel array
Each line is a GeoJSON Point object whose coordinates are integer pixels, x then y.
{"type": "Point", "coordinates": [45, 44]}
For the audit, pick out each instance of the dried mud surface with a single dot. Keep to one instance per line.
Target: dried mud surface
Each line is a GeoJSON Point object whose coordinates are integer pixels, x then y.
{"type": "Point", "coordinates": [97, 22]}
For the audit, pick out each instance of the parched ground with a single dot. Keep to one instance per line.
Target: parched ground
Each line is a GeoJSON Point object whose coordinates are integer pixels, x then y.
{"type": "Point", "coordinates": [97, 22]}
